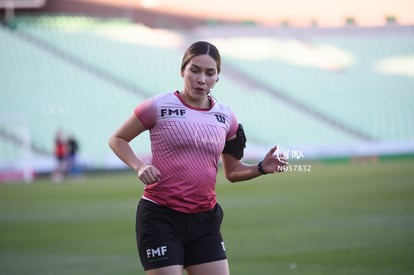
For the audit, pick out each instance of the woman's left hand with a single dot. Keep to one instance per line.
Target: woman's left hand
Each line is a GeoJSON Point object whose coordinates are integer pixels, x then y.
{"type": "Point", "coordinates": [274, 163]}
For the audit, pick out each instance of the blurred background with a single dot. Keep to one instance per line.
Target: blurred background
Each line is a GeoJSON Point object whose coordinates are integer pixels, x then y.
{"type": "Point", "coordinates": [325, 80]}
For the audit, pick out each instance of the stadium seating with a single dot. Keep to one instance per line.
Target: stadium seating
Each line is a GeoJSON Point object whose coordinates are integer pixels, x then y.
{"type": "Point", "coordinates": [85, 75]}
{"type": "Point", "coordinates": [372, 103]}
{"type": "Point", "coordinates": [54, 94]}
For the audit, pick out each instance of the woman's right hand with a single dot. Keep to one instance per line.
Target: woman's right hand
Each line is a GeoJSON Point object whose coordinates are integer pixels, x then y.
{"type": "Point", "coordinates": [149, 174]}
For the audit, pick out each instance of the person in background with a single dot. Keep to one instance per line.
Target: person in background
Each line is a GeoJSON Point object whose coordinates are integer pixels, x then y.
{"type": "Point", "coordinates": [73, 147]}
{"type": "Point", "coordinates": [60, 157]}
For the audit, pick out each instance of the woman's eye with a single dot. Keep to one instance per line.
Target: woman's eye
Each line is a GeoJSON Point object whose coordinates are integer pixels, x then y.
{"type": "Point", "coordinates": [211, 72]}
{"type": "Point", "coordinates": [208, 73]}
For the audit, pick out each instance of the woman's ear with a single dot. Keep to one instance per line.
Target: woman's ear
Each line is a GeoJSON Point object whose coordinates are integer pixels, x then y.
{"type": "Point", "coordinates": [218, 78]}
{"type": "Point", "coordinates": [182, 73]}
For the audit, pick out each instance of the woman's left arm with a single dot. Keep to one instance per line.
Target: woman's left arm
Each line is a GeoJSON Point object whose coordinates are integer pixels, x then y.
{"type": "Point", "coordinates": [236, 170]}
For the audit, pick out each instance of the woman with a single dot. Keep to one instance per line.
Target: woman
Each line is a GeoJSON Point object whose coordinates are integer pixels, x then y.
{"type": "Point", "coordinates": [178, 219]}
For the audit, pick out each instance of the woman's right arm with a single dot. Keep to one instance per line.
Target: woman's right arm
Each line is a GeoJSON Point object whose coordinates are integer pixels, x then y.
{"type": "Point", "coordinates": [119, 143]}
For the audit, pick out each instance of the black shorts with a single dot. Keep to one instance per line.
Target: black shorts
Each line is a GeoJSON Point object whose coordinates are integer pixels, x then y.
{"type": "Point", "coordinates": [166, 237]}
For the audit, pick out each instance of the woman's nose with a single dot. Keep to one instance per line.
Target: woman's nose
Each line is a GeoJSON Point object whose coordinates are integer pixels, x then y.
{"type": "Point", "coordinates": [201, 78]}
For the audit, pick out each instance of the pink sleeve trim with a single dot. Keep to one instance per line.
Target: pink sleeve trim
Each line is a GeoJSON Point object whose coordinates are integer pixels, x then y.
{"type": "Point", "coordinates": [146, 112]}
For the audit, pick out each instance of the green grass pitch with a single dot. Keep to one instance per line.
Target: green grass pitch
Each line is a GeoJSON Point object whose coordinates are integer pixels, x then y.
{"type": "Point", "coordinates": [341, 218]}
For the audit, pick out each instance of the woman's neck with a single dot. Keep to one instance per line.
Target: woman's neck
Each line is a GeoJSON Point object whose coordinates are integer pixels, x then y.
{"type": "Point", "coordinates": [204, 103]}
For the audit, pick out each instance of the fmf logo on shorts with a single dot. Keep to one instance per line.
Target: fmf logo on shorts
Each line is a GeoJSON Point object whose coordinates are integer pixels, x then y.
{"type": "Point", "coordinates": [156, 252]}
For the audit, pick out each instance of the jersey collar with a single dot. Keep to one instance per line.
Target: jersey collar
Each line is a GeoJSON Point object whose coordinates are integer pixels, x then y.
{"type": "Point", "coordinates": [210, 99]}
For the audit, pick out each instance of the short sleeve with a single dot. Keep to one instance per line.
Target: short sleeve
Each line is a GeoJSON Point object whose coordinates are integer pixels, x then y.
{"type": "Point", "coordinates": [146, 112]}
{"type": "Point", "coordinates": [233, 125]}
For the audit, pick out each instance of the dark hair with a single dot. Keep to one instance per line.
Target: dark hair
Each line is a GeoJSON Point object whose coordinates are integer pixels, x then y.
{"type": "Point", "coordinates": [200, 48]}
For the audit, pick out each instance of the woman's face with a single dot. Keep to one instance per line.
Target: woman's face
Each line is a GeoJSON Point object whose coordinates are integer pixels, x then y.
{"type": "Point", "coordinates": [200, 76]}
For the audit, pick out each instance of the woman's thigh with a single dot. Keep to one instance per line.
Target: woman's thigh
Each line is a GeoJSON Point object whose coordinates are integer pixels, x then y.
{"type": "Point", "coordinates": [217, 268]}
{"type": "Point", "coordinates": [168, 270]}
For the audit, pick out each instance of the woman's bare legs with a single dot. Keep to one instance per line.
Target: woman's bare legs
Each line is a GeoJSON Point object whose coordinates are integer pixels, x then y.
{"type": "Point", "coordinates": [216, 268]}
{"type": "Point", "coordinates": [168, 270]}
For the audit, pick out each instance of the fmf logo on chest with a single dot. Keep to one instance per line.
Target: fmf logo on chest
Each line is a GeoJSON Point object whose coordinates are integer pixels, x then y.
{"type": "Point", "coordinates": [171, 112]}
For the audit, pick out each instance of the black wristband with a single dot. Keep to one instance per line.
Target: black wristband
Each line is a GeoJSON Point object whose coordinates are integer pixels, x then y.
{"type": "Point", "coordinates": [260, 168]}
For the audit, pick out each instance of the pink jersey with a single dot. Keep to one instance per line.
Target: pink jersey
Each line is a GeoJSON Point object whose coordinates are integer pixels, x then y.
{"type": "Point", "coordinates": [186, 145]}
